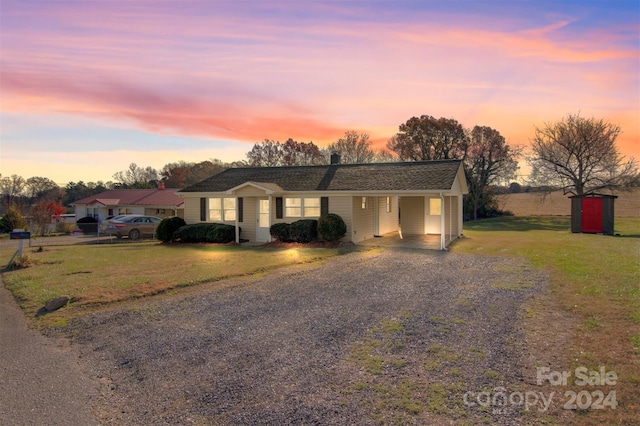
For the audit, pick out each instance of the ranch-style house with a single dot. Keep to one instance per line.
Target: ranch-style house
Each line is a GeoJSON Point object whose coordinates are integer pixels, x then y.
{"type": "Point", "coordinates": [159, 202]}
{"type": "Point", "coordinates": [414, 198]}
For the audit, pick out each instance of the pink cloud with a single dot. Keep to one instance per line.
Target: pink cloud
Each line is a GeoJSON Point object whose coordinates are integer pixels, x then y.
{"type": "Point", "coordinates": [241, 76]}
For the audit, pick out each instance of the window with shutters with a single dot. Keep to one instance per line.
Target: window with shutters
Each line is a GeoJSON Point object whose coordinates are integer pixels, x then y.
{"type": "Point", "coordinates": [302, 207]}
{"type": "Point", "coordinates": [293, 207]}
{"type": "Point", "coordinates": [222, 209]}
{"type": "Point", "coordinates": [311, 207]}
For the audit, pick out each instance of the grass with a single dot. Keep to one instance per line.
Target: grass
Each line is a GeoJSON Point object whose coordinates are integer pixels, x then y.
{"type": "Point", "coordinates": [594, 278]}
{"type": "Point", "coordinates": [104, 274]}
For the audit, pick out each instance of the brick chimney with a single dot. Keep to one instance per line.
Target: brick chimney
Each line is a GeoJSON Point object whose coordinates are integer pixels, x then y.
{"type": "Point", "coordinates": [161, 185]}
{"type": "Point", "coordinates": [335, 158]}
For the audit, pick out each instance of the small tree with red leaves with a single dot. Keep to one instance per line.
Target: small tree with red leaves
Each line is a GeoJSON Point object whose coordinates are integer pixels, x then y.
{"type": "Point", "coordinates": [43, 214]}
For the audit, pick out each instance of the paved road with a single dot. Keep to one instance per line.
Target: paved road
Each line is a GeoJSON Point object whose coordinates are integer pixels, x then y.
{"type": "Point", "coordinates": [40, 384]}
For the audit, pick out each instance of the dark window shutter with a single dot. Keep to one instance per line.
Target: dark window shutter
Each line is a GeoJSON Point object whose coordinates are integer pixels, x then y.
{"type": "Point", "coordinates": [203, 209]}
{"type": "Point", "coordinates": [240, 209]}
{"type": "Point", "coordinates": [279, 214]}
{"type": "Point", "coordinates": [324, 205]}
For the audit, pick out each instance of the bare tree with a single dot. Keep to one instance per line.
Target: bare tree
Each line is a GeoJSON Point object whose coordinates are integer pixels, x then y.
{"type": "Point", "coordinates": [11, 187]}
{"type": "Point", "coordinates": [354, 148]}
{"type": "Point", "coordinates": [42, 188]}
{"type": "Point", "coordinates": [182, 174]}
{"type": "Point", "coordinates": [137, 177]}
{"type": "Point", "coordinates": [580, 155]}
{"type": "Point", "coordinates": [489, 160]}
{"type": "Point", "coordinates": [296, 153]}
{"type": "Point", "coordinates": [268, 153]}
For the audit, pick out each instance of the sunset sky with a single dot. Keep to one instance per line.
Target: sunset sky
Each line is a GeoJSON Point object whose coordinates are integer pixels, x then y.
{"type": "Point", "coordinates": [90, 86]}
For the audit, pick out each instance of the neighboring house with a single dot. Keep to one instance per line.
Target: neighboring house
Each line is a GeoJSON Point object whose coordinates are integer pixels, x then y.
{"type": "Point", "coordinates": [151, 202]}
{"type": "Point", "coordinates": [373, 199]}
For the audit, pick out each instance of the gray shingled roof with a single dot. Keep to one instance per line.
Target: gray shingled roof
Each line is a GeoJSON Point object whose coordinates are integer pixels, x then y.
{"type": "Point", "coordinates": [417, 176]}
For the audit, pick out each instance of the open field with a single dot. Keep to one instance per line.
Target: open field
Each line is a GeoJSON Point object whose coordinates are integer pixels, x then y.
{"type": "Point", "coordinates": [558, 204]}
{"type": "Point", "coordinates": [595, 280]}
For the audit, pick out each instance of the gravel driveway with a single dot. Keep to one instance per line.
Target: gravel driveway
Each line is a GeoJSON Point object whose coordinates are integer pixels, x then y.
{"type": "Point", "coordinates": [391, 336]}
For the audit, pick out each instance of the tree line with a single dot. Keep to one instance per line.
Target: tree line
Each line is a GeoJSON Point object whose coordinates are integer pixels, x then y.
{"type": "Point", "coordinates": [575, 154]}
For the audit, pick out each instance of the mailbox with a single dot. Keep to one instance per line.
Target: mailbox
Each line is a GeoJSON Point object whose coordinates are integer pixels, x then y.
{"type": "Point", "coordinates": [19, 235]}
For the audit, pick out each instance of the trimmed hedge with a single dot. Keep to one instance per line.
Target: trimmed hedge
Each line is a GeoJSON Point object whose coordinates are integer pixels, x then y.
{"type": "Point", "coordinates": [331, 227]}
{"type": "Point", "coordinates": [166, 228]}
{"type": "Point", "coordinates": [205, 233]}
{"type": "Point", "coordinates": [303, 231]}
{"type": "Point", "coordinates": [280, 232]}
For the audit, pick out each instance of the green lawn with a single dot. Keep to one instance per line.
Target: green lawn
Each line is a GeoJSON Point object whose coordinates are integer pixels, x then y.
{"type": "Point", "coordinates": [595, 279]}
{"type": "Point", "coordinates": [102, 274]}
{"type": "Point", "coordinates": [593, 264]}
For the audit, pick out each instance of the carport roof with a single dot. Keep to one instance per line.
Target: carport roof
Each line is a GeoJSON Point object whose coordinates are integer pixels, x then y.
{"type": "Point", "coordinates": [406, 176]}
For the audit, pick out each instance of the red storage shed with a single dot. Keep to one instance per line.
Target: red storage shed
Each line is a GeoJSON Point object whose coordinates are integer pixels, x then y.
{"type": "Point", "coordinates": [592, 213]}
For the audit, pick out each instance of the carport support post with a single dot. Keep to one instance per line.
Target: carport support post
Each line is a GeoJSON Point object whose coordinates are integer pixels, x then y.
{"type": "Point", "coordinates": [442, 228]}
{"type": "Point", "coordinates": [237, 227]}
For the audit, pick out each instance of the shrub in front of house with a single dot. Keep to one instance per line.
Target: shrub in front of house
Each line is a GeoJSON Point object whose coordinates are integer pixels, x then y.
{"type": "Point", "coordinates": [88, 225]}
{"type": "Point", "coordinates": [205, 233]}
{"type": "Point", "coordinates": [331, 227]}
{"type": "Point", "coordinates": [303, 231]}
{"type": "Point", "coordinates": [65, 228]}
{"type": "Point", "coordinates": [280, 232]}
{"type": "Point", "coordinates": [166, 228]}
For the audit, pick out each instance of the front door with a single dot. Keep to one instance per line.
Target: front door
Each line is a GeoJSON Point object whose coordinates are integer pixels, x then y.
{"type": "Point", "coordinates": [264, 222]}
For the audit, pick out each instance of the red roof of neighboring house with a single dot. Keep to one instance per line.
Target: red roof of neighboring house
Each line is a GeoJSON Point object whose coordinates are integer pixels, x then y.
{"type": "Point", "coordinates": [135, 197]}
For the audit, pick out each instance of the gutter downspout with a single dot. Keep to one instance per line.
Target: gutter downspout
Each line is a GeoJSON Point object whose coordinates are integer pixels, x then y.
{"type": "Point", "coordinates": [443, 246]}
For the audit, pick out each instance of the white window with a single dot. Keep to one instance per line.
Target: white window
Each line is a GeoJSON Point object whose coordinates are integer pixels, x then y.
{"type": "Point", "coordinates": [229, 209]}
{"type": "Point", "coordinates": [222, 209]}
{"type": "Point", "coordinates": [364, 203]}
{"type": "Point", "coordinates": [311, 207]}
{"type": "Point", "coordinates": [388, 204]}
{"type": "Point", "coordinates": [215, 209]}
{"type": "Point", "coordinates": [435, 206]}
{"type": "Point", "coordinates": [293, 207]}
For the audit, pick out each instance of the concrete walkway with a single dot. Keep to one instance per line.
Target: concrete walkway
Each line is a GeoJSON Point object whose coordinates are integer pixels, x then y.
{"type": "Point", "coordinates": [40, 384]}
{"type": "Point", "coordinates": [393, 239]}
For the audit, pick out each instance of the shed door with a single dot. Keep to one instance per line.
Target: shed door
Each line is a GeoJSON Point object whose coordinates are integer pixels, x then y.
{"type": "Point", "coordinates": [592, 215]}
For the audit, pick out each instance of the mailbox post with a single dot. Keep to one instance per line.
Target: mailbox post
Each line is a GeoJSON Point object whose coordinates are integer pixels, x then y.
{"type": "Point", "coordinates": [20, 235]}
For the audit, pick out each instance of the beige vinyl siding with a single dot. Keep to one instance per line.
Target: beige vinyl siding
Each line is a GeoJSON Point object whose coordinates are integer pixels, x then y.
{"type": "Point", "coordinates": [412, 215]}
{"type": "Point", "coordinates": [342, 207]}
{"type": "Point", "coordinates": [192, 210]}
{"type": "Point", "coordinates": [362, 219]}
{"type": "Point", "coordinates": [387, 221]}
{"type": "Point", "coordinates": [249, 191]}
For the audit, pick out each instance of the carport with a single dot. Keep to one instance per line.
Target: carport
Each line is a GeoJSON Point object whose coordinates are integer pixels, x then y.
{"type": "Point", "coordinates": [395, 239]}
